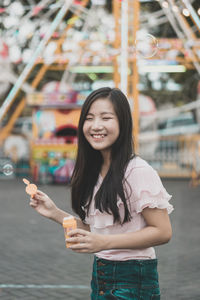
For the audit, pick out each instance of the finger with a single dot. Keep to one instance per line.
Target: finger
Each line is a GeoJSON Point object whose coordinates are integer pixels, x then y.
{"type": "Point", "coordinates": [78, 231]}
{"type": "Point", "coordinates": [33, 203]}
{"type": "Point", "coordinates": [41, 193]}
{"type": "Point", "coordinates": [81, 251]}
{"type": "Point", "coordinates": [81, 246]}
{"type": "Point", "coordinates": [41, 198]}
{"type": "Point", "coordinates": [76, 240]}
{"type": "Point", "coordinates": [33, 200]}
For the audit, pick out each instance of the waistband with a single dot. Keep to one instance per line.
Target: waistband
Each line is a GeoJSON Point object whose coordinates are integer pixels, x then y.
{"type": "Point", "coordinates": [140, 262]}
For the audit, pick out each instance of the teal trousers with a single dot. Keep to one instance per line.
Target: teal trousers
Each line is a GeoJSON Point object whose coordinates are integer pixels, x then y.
{"type": "Point", "coordinates": [125, 280]}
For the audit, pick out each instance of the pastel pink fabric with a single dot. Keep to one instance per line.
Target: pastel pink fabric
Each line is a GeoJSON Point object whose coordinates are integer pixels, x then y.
{"type": "Point", "coordinates": [147, 191]}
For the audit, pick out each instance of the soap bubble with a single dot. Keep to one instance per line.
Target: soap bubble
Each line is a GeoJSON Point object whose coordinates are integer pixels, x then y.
{"type": "Point", "coordinates": [146, 46]}
{"type": "Point", "coordinates": [8, 169]}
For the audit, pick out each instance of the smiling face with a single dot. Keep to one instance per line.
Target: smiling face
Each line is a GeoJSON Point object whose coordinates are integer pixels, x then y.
{"type": "Point", "coordinates": [101, 126]}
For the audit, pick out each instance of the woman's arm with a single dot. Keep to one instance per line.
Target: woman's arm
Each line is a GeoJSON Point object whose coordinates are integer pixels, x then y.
{"type": "Point", "coordinates": [59, 214]}
{"type": "Point", "coordinates": [47, 208]}
{"type": "Point", "coordinates": [158, 231]}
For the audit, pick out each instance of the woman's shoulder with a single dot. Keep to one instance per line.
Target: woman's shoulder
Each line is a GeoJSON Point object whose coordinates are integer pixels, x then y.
{"type": "Point", "coordinates": [141, 169]}
{"type": "Point", "coordinates": [137, 162]}
{"type": "Point", "coordinates": [146, 186]}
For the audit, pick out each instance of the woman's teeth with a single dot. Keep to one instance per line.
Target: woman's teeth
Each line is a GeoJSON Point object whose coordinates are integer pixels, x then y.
{"type": "Point", "coordinates": [98, 136]}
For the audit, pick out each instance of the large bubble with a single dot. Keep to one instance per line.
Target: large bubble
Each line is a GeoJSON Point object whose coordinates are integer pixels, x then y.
{"type": "Point", "coordinates": [146, 46]}
{"type": "Point", "coordinates": [7, 169]}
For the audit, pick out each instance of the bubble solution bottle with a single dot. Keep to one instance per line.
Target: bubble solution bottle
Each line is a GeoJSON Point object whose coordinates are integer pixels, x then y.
{"type": "Point", "coordinates": [69, 223]}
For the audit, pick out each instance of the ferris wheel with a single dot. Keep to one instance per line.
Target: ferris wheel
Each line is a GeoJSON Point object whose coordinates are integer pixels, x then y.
{"type": "Point", "coordinates": [22, 25]}
{"type": "Point", "coordinates": [33, 30]}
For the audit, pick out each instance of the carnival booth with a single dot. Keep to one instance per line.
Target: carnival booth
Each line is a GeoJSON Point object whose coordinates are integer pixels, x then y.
{"type": "Point", "coordinates": [54, 144]}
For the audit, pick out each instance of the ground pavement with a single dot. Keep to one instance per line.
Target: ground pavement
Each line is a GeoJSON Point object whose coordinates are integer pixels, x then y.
{"type": "Point", "coordinates": [34, 263]}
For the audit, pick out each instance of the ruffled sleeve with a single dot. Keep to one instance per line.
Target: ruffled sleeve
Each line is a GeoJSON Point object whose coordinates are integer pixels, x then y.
{"type": "Point", "coordinates": [148, 190]}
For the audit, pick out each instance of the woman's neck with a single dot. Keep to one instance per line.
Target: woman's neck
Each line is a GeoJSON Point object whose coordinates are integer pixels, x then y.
{"type": "Point", "coordinates": [106, 163]}
{"type": "Point", "coordinates": [104, 171]}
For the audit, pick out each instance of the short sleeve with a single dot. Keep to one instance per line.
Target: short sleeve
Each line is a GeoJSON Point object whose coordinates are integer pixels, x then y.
{"type": "Point", "coordinates": [148, 190]}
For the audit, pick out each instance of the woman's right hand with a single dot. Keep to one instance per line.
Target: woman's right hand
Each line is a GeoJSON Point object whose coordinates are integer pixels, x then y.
{"type": "Point", "coordinates": [43, 204]}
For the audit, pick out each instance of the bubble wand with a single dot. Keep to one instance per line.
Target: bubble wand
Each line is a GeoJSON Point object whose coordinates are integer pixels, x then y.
{"type": "Point", "coordinates": [31, 188]}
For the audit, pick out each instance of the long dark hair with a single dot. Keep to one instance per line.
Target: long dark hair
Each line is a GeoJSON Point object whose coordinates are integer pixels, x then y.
{"type": "Point", "coordinates": [89, 161]}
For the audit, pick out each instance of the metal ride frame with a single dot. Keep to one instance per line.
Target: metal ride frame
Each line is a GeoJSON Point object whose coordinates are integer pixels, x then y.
{"type": "Point", "coordinates": [10, 99]}
{"type": "Point", "coordinates": [191, 59]}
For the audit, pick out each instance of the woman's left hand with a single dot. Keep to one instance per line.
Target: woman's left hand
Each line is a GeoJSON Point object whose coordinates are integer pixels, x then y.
{"type": "Point", "coordinates": [86, 242]}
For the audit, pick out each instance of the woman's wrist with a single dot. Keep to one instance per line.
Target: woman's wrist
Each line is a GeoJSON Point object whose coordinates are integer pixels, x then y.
{"type": "Point", "coordinates": [105, 242]}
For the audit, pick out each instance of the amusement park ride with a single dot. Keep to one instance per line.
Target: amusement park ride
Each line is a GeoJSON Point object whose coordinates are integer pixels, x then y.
{"type": "Point", "coordinates": [123, 54]}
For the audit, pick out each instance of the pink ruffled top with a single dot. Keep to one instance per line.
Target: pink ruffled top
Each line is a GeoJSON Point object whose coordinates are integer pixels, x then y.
{"type": "Point", "coordinates": [147, 191]}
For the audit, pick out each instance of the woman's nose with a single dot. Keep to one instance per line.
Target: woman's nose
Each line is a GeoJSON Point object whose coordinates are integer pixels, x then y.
{"type": "Point", "coordinates": [96, 124]}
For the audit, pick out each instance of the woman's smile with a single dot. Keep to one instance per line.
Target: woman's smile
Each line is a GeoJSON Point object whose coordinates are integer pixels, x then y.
{"type": "Point", "coordinates": [98, 137]}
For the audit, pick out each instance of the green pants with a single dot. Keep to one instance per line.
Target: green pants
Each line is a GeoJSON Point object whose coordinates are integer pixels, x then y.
{"type": "Point", "coordinates": [125, 280]}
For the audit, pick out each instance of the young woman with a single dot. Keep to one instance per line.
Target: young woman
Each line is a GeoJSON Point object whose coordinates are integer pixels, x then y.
{"type": "Point", "coordinates": [121, 203]}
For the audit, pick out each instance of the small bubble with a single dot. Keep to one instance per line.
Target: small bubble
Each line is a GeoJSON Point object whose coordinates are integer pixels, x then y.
{"type": "Point", "coordinates": [8, 169]}
{"type": "Point", "coordinates": [146, 46]}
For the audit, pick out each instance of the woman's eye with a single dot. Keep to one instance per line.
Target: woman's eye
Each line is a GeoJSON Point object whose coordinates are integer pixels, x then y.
{"type": "Point", "coordinates": [107, 118]}
{"type": "Point", "coordinates": [88, 119]}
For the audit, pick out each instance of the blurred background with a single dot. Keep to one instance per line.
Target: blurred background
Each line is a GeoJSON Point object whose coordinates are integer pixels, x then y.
{"type": "Point", "coordinates": [52, 55]}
